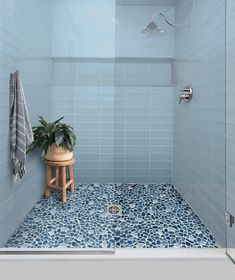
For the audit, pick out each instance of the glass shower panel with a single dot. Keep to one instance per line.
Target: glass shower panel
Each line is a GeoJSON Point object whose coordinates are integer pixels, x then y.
{"type": "Point", "coordinates": [199, 143]}
{"type": "Point", "coordinates": [144, 97]}
{"type": "Point", "coordinates": [83, 91]}
{"type": "Point", "coordinates": [159, 142]}
{"type": "Point", "coordinates": [144, 106]}
{"type": "Point", "coordinates": [82, 64]}
{"type": "Point", "coordinates": [119, 88]}
{"type": "Point", "coordinates": [230, 119]}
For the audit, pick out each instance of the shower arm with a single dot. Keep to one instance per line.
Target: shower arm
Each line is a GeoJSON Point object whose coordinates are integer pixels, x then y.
{"type": "Point", "coordinates": [168, 22]}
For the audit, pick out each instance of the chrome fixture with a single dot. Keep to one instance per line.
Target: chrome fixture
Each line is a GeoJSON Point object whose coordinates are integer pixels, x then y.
{"type": "Point", "coordinates": [229, 219]}
{"type": "Point", "coordinates": [154, 29]}
{"type": "Point", "coordinates": [186, 94]}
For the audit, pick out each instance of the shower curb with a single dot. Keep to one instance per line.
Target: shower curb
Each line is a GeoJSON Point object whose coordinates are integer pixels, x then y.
{"type": "Point", "coordinates": [113, 255]}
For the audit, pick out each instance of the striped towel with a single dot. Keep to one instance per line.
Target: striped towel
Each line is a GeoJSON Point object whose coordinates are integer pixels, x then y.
{"type": "Point", "coordinates": [21, 135]}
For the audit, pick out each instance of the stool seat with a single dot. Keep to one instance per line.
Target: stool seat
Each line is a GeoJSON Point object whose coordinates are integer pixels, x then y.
{"type": "Point", "coordinates": [60, 163]}
{"type": "Point", "coordinates": [59, 182]}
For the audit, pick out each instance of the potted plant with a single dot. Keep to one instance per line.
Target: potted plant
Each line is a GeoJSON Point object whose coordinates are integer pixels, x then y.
{"type": "Point", "coordinates": [56, 140]}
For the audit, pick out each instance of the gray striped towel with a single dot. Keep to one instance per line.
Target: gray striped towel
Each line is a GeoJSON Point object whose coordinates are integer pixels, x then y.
{"type": "Point", "coordinates": [20, 127]}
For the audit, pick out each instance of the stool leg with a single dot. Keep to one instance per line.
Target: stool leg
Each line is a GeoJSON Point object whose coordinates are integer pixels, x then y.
{"type": "Point", "coordinates": [57, 170]}
{"type": "Point", "coordinates": [71, 178]}
{"type": "Point", "coordinates": [48, 182]}
{"type": "Point", "coordinates": [64, 184]}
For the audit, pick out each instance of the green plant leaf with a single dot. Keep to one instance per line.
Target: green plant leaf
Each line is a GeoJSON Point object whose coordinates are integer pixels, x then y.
{"type": "Point", "coordinates": [46, 134]}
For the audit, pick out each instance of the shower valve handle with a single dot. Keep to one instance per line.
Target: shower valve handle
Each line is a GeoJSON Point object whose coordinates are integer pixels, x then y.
{"type": "Point", "coordinates": [185, 90]}
{"type": "Point", "coordinates": [186, 94]}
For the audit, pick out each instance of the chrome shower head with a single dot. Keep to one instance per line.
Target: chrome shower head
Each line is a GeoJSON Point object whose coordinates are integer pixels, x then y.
{"type": "Point", "coordinates": [152, 28]}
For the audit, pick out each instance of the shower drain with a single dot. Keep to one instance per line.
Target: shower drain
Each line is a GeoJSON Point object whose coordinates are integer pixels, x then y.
{"type": "Point", "coordinates": [115, 210]}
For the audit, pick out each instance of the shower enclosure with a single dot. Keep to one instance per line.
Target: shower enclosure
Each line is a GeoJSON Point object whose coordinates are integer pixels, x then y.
{"type": "Point", "coordinates": [145, 84]}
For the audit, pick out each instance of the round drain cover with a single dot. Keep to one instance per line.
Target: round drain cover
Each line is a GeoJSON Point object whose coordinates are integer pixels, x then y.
{"type": "Point", "coordinates": [114, 210]}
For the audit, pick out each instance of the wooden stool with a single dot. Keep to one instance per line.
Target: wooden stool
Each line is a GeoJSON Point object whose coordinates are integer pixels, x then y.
{"type": "Point", "coordinates": [65, 183]}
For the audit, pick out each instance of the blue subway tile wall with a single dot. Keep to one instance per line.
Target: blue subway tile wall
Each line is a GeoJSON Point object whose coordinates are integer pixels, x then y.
{"type": "Point", "coordinates": [199, 144]}
{"type": "Point", "coordinates": [83, 51]}
{"type": "Point", "coordinates": [25, 44]}
{"type": "Point", "coordinates": [144, 134]}
{"type": "Point", "coordinates": [83, 28]}
{"type": "Point", "coordinates": [83, 92]}
{"type": "Point", "coordinates": [131, 42]}
{"type": "Point", "coordinates": [143, 71]}
{"type": "Point", "coordinates": [230, 120]}
{"type": "Point", "coordinates": [144, 97]}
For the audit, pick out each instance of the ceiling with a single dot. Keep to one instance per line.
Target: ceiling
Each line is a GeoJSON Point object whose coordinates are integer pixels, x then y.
{"type": "Point", "coordinates": [146, 2]}
{"type": "Point", "coordinates": [118, 2]}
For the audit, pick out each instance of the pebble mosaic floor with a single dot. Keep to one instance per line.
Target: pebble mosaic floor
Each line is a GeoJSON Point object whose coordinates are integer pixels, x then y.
{"type": "Point", "coordinates": [152, 216]}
